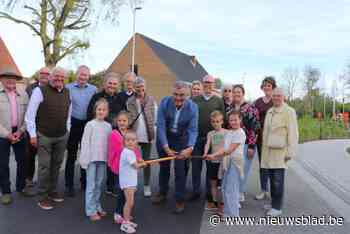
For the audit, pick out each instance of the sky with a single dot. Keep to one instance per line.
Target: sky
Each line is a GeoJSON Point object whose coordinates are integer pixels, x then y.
{"type": "Point", "coordinates": [237, 41]}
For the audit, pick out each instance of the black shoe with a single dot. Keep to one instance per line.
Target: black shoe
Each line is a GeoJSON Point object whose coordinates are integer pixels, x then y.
{"type": "Point", "coordinates": [193, 197]}
{"type": "Point", "coordinates": [70, 192]}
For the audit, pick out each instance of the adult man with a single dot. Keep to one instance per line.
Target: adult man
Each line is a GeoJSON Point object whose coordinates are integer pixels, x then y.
{"type": "Point", "coordinates": [207, 103]}
{"type": "Point", "coordinates": [280, 141]}
{"type": "Point", "coordinates": [117, 102]}
{"type": "Point", "coordinates": [81, 93]}
{"type": "Point", "coordinates": [13, 104]}
{"type": "Point", "coordinates": [48, 123]}
{"type": "Point", "coordinates": [177, 130]}
{"type": "Point", "coordinates": [129, 83]}
{"type": "Point", "coordinates": [43, 79]}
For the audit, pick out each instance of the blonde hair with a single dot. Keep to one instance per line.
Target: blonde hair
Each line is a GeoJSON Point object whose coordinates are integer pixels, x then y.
{"type": "Point", "coordinates": [216, 114]}
{"type": "Point", "coordinates": [101, 101]}
{"type": "Point", "coordinates": [128, 134]}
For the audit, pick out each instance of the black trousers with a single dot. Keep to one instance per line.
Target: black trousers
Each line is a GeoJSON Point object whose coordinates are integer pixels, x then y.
{"type": "Point", "coordinates": [277, 186]}
{"type": "Point", "coordinates": [75, 136]}
{"type": "Point", "coordinates": [31, 153]}
{"type": "Point", "coordinates": [19, 150]}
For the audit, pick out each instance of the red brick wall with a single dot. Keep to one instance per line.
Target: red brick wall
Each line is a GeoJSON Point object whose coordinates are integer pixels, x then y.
{"type": "Point", "coordinates": [158, 77]}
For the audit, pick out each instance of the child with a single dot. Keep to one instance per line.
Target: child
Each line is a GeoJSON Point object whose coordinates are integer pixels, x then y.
{"type": "Point", "coordinates": [115, 147]}
{"type": "Point", "coordinates": [215, 142]}
{"type": "Point", "coordinates": [232, 164]}
{"type": "Point", "coordinates": [128, 178]}
{"type": "Point", "coordinates": [93, 159]}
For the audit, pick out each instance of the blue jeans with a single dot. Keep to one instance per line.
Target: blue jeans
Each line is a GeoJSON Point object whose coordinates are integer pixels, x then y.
{"type": "Point", "coordinates": [177, 144]}
{"type": "Point", "coordinates": [276, 177]}
{"type": "Point", "coordinates": [95, 177]}
{"type": "Point", "coordinates": [19, 150]}
{"type": "Point", "coordinates": [120, 197]}
{"type": "Point", "coordinates": [230, 190]}
{"type": "Point", "coordinates": [247, 166]}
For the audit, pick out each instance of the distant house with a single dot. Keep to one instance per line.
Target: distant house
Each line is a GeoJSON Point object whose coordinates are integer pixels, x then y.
{"type": "Point", "coordinates": [6, 59]}
{"type": "Point", "coordinates": [158, 64]}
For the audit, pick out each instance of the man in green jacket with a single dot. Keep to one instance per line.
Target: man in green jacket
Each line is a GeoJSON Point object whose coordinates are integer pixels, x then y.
{"type": "Point", "coordinates": [207, 103]}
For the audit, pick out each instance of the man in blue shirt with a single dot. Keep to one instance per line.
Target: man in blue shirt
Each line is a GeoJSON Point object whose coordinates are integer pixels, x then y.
{"type": "Point", "coordinates": [177, 130]}
{"type": "Point", "coordinates": [80, 92]}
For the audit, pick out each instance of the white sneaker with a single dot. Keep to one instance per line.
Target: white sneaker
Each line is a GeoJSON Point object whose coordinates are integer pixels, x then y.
{"type": "Point", "coordinates": [126, 227]}
{"type": "Point", "coordinates": [262, 195]}
{"type": "Point", "coordinates": [118, 219]}
{"type": "Point", "coordinates": [147, 191]}
{"type": "Point", "coordinates": [273, 212]}
{"type": "Point", "coordinates": [241, 197]}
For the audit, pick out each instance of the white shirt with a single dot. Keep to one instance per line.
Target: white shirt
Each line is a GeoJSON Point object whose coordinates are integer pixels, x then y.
{"type": "Point", "coordinates": [32, 111]}
{"type": "Point", "coordinates": [235, 137]}
{"type": "Point", "coordinates": [94, 144]}
{"type": "Point", "coordinates": [127, 172]}
{"type": "Point", "coordinates": [207, 97]}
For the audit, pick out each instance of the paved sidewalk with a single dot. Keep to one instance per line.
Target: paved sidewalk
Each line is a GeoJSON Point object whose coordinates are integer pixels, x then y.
{"type": "Point", "coordinates": [304, 194]}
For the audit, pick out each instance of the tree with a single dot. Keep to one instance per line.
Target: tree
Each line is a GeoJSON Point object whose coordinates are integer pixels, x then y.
{"type": "Point", "coordinates": [311, 77]}
{"type": "Point", "coordinates": [290, 78]}
{"type": "Point", "coordinates": [218, 83]}
{"type": "Point", "coordinates": [59, 23]}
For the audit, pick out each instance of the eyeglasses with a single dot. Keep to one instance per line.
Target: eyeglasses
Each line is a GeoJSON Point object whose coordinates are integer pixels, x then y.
{"type": "Point", "coordinates": [227, 91]}
{"type": "Point", "coordinates": [44, 73]}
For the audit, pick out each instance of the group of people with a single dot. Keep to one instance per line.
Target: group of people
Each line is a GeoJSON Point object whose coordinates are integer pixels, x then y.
{"type": "Point", "coordinates": [115, 132]}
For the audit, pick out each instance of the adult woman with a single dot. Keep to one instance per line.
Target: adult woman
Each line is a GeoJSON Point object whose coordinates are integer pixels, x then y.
{"type": "Point", "coordinates": [251, 125]}
{"type": "Point", "coordinates": [280, 140]}
{"type": "Point", "coordinates": [263, 104]}
{"type": "Point", "coordinates": [196, 88]}
{"type": "Point", "coordinates": [142, 110]}
{"type": "Point", "coordinates": [227, 97]}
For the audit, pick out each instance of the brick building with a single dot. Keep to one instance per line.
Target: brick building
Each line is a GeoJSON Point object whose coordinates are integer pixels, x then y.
{"type": "Point", "coordinates": [158, 64]}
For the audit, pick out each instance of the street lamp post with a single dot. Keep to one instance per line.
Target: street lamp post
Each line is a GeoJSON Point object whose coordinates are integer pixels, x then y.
{"type": "Point", "coordinates": [134, 9]}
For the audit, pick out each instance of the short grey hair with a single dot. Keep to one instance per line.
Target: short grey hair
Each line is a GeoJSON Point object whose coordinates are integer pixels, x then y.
{"type": "Point", "coordinates": [111, 75]}
{"type": "Point", "coordinates": [226, 86]}
{"type": "Point", "coordinates": [140, 81]}
{"type": "Point", "coordinates": [126, 75]}
{"type": "Point", "coordinates": [58, 69]}
{"type": "Point", "coordinates": [180, 85]}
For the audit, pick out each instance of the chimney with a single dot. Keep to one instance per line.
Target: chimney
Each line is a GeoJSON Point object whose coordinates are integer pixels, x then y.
{"type": "Point", "coordinates": [193, 60]}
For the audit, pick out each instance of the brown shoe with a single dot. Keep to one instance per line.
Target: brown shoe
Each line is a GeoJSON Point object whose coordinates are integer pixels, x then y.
{"type": "Point", "coordinates": [95, 218]}
{"type": "Point", "coordinates": [27, 192]}
{"type": "Point", "coordinates": [45, 204]}
{"type": "Point", "coordinates": [158, 198]}
{"type": "Point", "coordinates": [179, 208]}
{"type": "Point", "coordinates": [56, 197]}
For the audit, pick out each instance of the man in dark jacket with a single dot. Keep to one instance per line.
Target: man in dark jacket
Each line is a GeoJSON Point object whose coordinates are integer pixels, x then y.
{"type": "Point", "coordinates": [43, 79]}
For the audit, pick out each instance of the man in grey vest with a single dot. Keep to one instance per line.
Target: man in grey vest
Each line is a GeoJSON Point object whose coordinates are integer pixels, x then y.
{"type": "Point", "coordinates": [48, 124]}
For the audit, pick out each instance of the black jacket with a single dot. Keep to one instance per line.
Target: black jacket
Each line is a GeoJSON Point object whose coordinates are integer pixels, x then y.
{"type": "Point", "coordinates": [116, 103]}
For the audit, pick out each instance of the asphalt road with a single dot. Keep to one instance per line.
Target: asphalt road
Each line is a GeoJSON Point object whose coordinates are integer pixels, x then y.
{"type": "Point", "coordinates": [25, 217]}
{"type": "Point", "coordinates": [306, 193]}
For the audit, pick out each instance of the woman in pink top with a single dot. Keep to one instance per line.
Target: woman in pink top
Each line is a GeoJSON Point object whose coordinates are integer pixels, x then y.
{"type": "Point", "coordinates": [115, 147]}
